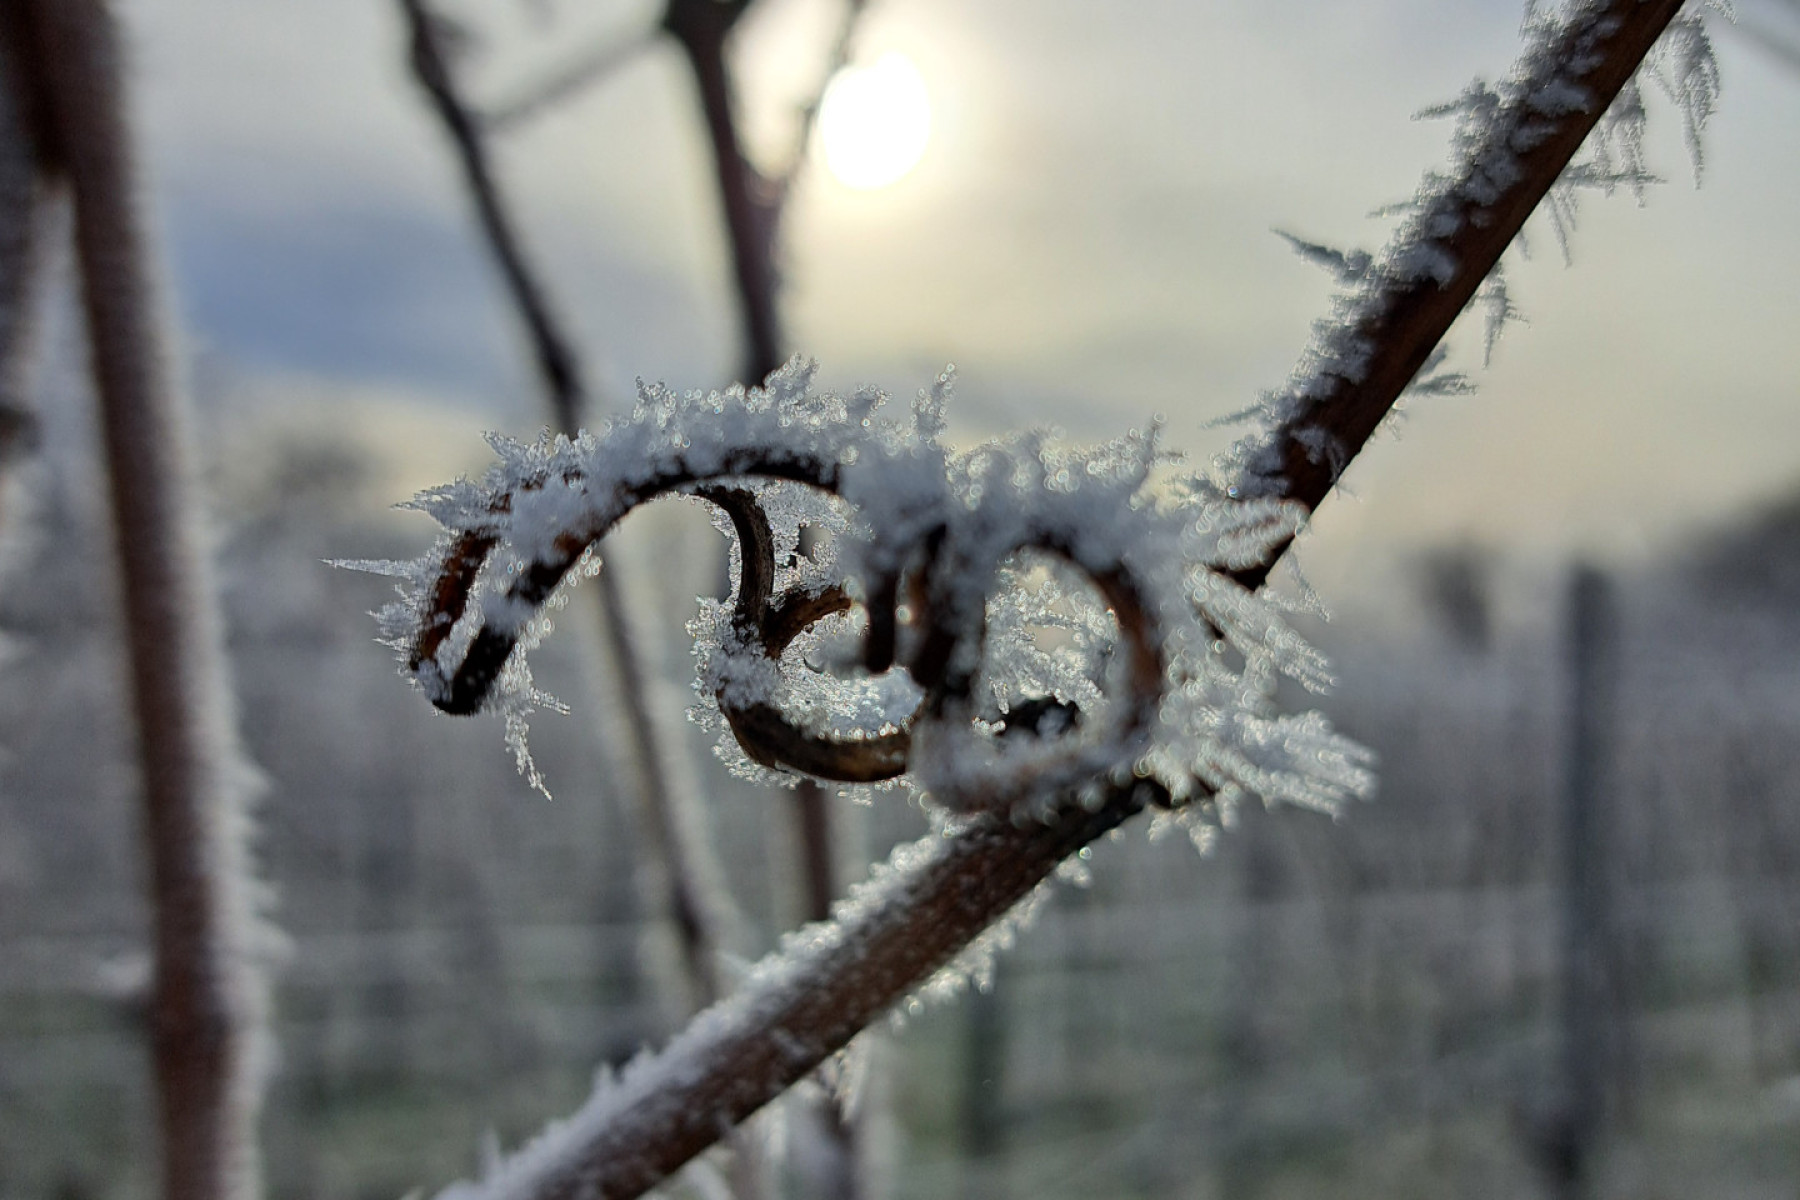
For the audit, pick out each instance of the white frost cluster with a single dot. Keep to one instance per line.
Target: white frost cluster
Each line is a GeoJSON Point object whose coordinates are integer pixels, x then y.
{"type": "Point", "coordinates": [1032, 626]}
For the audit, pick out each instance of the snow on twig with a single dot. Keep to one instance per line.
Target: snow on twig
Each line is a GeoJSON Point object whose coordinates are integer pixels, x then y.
{"type": "Point", "coordinates": [920, 909]}
{"type": "Point", "coordinates": [1514, 142]}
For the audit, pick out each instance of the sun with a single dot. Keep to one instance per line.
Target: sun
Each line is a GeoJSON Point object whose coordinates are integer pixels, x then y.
{"type": "Point", "coordinates": [874, 122]}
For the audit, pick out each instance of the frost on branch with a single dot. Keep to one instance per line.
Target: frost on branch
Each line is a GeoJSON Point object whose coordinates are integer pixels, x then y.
{"type": "Point", "coordinates": [1577, 83]}
{"type": "Point", "coordinates": [1002, 628]}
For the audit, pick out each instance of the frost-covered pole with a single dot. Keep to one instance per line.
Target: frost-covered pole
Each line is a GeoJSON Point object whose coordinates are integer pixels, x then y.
{"type": "Point", "coordinates": [1593, 1028]}
{"type": "Point", "coordinates": [893, 935]}
{"type": "Point", "coordinates": [1385, 328]}
{"type": "Point", "coordinates": [208, 1004]}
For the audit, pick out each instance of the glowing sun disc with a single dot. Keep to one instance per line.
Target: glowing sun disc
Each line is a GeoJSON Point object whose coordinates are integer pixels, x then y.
{"type": "Point", "coordinates": [874, 122]}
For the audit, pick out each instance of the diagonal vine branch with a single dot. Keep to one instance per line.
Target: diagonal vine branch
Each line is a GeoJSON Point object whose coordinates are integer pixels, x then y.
{"type": "Point", "coordinates": [793, 1017]}
{"type": "Point", "coordinates": [938, 897]}
{"type": "Point", "coordinates": [1362, 361]}
{"type": "Point", "coordinates": [551, 347]}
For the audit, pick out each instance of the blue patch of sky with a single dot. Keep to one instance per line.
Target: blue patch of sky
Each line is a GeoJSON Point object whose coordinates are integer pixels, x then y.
{"type": "Point", "coordinates": [364, 291]}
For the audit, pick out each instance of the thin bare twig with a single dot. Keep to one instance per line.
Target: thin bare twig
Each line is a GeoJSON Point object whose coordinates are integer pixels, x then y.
{"type": "Point", "coordinates": [806, 1007]}
{"type": "Point", "coordinates": [753, 201]}
{"type": "Point", "coordinates": [552, 349]}
{"type": "Point", "coordinates": [208, 1006]}
{"type": "Point", "coordinates": [558, 367]}
{"type": "Point", "coordinates": [750, 200]}
{"type": "Point", "coordinates": [586, 70]}
{"type": "Point", "coordinates": [842, 42]}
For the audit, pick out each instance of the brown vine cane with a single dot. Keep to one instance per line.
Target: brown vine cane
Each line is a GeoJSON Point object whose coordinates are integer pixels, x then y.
{"type": "Point", "coordinates": [767, 623]}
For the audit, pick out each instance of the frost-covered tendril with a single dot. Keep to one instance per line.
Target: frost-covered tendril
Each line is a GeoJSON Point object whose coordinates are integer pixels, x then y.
{"type": "Point", "coordinates": [1020, 587]}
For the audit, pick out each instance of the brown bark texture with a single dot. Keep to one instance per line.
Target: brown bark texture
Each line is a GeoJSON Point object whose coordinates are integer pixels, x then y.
{"type": "Point", "coordinates": [1407, 318]}
{"type": "Point", "coordinates": [207, 1010]}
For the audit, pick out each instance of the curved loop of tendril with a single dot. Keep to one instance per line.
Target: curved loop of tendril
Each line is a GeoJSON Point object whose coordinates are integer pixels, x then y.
{"type": "Point", "coordinates": [946, 631]}
{"type": "Point", "coordinates": [447, 600]}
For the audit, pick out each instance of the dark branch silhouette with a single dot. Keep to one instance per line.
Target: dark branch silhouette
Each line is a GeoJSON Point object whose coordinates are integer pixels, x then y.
{"type": "Point", "coordinates": [552, 349]}
{"type": "Point", "coordinates": [586, 70]}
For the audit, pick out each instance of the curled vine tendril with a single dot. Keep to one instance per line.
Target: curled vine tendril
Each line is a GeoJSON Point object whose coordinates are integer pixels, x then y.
{"type": "Point", "coordinates": [935, 636]}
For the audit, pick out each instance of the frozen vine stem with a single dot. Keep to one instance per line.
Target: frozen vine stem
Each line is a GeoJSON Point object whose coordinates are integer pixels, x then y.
{"type": "Point", "coordinates": [208, 994]}
{"type": "Point", "coordinates": [1512, 146]}
{"type": "Point", "coordinates": [1166, 722]}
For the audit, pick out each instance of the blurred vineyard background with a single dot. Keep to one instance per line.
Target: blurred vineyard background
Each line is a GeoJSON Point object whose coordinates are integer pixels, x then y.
{"type": "Point", "coordinates": [1568, 927]}
{"type": "Point", "coordinates": [1374, 1005]}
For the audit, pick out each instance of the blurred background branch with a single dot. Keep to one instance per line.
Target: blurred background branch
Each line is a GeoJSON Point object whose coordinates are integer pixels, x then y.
{"type": "Point", "coordinates": [207, 1001]}
{"type": "Point", "coordinates": [751, 204]}
{"type": "Point", "coordinates": [804, 1007]}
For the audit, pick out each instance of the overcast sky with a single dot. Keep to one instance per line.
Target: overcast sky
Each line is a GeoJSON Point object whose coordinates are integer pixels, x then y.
{"type": "Point", "coordinates": [1088, 238]}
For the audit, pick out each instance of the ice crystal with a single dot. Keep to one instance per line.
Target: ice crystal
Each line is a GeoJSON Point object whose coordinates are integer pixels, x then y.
{"type": "Point", "coordinates": [1346, 266]}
